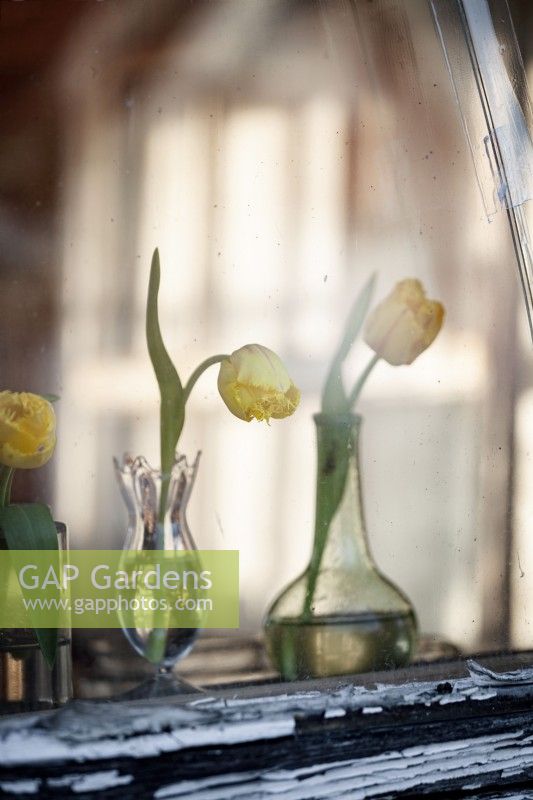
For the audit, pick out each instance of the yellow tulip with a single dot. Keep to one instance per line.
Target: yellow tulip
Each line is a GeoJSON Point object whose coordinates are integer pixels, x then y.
{"type": "Point", "coordinates": [254, 384]}
{"type": "Point", "coordinates": [27, 430]}
{"type": "Point", "coordinates": [404, 324]}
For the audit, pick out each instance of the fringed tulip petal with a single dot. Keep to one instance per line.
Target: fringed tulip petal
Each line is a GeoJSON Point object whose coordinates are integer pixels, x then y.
{"type": "Point", "coordinates": [254, 384]}
{"type": "Point", "coordinates": [27, 430]}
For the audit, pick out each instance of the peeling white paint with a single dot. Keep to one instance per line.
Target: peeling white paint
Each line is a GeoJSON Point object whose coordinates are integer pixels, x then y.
{"type": "Point", "coordinates": [334, 712]}
{"type": "Point", "coordinates": [88, 732]}
{"type": "Point", "coordinates": [364, 778]}
{"type": "Point", "coordinates": [451, 698]}
{"type": "Point", "coordinates": [106, 779]}
{"type": "Point", "coordinates": [483, 676]}
{"type": "Point", "coordinates": [38, 747]}
{"type": "Point", "coordinates": [484, 694]}
{"type": "Point", "coordinates": [20, 787]}
{"type": "Point", "coordinates": [184, 788]}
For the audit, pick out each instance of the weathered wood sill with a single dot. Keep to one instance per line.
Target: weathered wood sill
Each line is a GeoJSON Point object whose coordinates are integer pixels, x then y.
{"type": "Point", "coordinates": [429, 731]}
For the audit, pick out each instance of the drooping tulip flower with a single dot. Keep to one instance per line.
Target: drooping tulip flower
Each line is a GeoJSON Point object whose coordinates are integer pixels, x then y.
{"type": "Point", "coordinates": [254, 384]}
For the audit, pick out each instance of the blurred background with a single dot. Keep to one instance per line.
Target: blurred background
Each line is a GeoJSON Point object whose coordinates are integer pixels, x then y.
{"type": "Point", "coordinates": [277, 152]}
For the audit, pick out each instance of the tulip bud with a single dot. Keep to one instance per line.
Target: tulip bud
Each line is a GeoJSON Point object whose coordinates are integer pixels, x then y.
{"type": "Point", "coordinates": [404, 324]}
{"type": "Point", "coordinates": [254, 384]}
{"type": "Point", "coordinates": [27, 430]}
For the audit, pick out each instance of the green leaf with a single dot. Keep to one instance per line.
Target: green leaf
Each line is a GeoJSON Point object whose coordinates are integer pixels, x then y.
{"type": "Point", "coordinates": [52, 398]}
{"type": "Point", "coordinates": [172, 410]}
{"type": "Point", "coordinates": [334, 399]}
{"type": "Point", "coordinates": [30, 526]}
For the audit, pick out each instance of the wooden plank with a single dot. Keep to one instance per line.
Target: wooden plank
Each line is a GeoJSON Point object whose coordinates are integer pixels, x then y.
{"type": "Point", "coordinates": [320, 739]}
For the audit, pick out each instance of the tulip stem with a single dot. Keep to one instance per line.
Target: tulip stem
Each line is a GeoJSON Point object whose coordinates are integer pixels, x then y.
{"type": "Point", "coordinates": [356, 391]}
{"type": "Point", "coordinates": [187, 389]}
{"type": "Point", "coordinates": [6, 479]}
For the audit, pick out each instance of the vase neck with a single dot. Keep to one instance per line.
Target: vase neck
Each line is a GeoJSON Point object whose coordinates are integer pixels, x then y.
{"type": "Point", "coordinates": [156, 503]}
{"type": "Point", "coordinates": [340, 531]}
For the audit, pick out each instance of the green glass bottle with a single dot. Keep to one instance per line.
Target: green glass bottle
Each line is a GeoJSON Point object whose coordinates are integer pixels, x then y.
{"type": "Point", "coordinates": [342, 615]}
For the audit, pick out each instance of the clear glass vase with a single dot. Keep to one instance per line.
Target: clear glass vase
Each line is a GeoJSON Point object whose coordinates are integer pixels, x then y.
{"type": "Point", "coordinates": [342, 615]}
{"type": "Point", "coordinates": [157, 520]}
{"type": "Point", "coordinates": [27, 683]}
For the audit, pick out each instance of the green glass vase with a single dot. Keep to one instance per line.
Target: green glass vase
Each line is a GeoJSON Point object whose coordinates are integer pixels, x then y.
{"type": "Point", "coordinates": [342, 615]}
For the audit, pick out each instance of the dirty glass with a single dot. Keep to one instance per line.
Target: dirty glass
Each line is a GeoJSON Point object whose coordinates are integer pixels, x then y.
{"type": "Point", "coordinates": [278, 153]}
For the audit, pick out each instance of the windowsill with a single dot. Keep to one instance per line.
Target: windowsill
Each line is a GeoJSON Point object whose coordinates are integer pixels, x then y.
{"type": "Point", "coordinates": [425, 729]}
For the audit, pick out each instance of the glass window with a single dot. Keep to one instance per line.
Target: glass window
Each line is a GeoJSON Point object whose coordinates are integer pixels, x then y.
{"type": "Point", "coordinates": [277, 153]}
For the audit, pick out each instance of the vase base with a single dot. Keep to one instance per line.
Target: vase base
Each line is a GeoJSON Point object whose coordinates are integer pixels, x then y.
{"type": "Point", "coordinates": [163, 684]}
{"type": "Point", "coordinates": [340, 645]}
